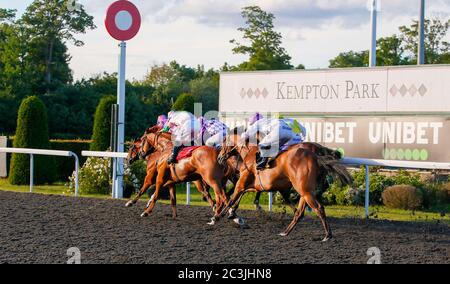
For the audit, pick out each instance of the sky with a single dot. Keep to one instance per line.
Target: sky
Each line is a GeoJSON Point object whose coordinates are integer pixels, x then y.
{"type": "Point", "coordinates": [195, 32]}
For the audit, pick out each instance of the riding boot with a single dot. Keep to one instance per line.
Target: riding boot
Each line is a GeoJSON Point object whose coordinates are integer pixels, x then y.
{"type": "Point", "coordinates": [173, 157]}
{"type": "Point", "coordinates": [261, 165]}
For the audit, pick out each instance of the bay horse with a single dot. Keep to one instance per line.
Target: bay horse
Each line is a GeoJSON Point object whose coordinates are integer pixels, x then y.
{"type": "Point", "coordinates": [296, 167]}
{"type": "Point", "coordinates": [202, 165]}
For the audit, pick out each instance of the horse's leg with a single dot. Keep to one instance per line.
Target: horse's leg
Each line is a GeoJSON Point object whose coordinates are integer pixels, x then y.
{"type": "Point", "coordinates": [320, 212]}
{"type": "Point", "coordinates": [286, 196]}
{"type": "Point", "coordinates": [204, 190]}
{"type": "Point", "coordinates": [299, 213]}
{"type": "Point", "coordinates": [256, 202]}
{"type": "Point", "coordinates": [235, 206]}
{"type": "Point", "coordinates": [154, 198]}
{"type": "Point", "coordinates": [145, 186]}
{"type": "Point", "coordinates": [173, 201]}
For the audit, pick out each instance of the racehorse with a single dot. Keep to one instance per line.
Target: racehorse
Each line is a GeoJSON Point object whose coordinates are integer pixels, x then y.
{"type": "Point", "coordinates": [201, 165]}
{"type": "Point", "coordinates": [135, 153]}
{"type": "Point", "coordinates": [296, 167]}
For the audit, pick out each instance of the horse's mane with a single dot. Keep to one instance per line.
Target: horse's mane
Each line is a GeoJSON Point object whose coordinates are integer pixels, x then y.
{"type": "Point", "coordinates": [153, 129]}
{"type": "Point", "coordinates": [237, 130]}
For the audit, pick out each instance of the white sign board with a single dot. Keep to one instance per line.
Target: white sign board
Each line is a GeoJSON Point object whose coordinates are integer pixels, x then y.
{"type": "Point", "coordinates": [409, 90]}
{"type": "Point", "coordinates": [3, 144]}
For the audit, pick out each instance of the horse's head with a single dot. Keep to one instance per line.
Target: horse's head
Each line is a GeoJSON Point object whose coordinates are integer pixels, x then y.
{"type": "Point", "coordinates": [134, 151]}
{"type": "Point", "coordinates": [230, 146]}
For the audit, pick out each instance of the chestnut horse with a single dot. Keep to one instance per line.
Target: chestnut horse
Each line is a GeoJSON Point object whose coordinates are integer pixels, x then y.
{"type": "Point", "coordinates": [296, 167]}
{"type": "Point", "coordinates": [135, 153]}
{"type": "Point", "coordinates": [202, 165]}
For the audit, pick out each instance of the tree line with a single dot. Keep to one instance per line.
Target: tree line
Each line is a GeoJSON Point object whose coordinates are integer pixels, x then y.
{"type": "Point", "coordinates": [34, 61]}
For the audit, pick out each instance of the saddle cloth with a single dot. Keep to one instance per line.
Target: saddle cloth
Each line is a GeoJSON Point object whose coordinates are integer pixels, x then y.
{"type": "Point", "coordinates": [186, 152]}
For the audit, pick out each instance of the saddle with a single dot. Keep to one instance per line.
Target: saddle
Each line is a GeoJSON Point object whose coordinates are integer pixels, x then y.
{"type": "Point", "coordinates": [186, 152]}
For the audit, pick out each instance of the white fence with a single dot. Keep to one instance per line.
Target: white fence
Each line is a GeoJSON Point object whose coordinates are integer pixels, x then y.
{"type": "Point", "coordinates": [33, 152]}
{"type": "Point", "coordinates": [347, 161]}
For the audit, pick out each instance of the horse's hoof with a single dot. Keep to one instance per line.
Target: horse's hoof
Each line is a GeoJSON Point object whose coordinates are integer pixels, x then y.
{"type": "Point", "coordinates": [129, 204]}
{"type": "Point", "coordinates": [231, 214]}
{"type": "Point", "coordinates": [326, 239]}
{"type": "Point", "coordinates": [283, 234]}
{"type": "Point", "coordinates": [212, 222]}
{"type": "Point", "coordinates": [239, 221]}
{"type": "Point", "coordinates": [145, 214]}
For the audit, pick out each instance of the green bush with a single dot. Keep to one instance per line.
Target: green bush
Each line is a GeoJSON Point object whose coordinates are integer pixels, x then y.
{"type": "Point", "coordinates": [405, 197]}
{"type": "Point", "coordinates": [134, 177]}
{"type": "Point", "coordinates": [32, 132]}
{"type": "Point", "coordinates": [185, 102]}
{"type": "Point", "coordinates": [93, 177]}
{"type": "Point", "coordinates": [102, 125]}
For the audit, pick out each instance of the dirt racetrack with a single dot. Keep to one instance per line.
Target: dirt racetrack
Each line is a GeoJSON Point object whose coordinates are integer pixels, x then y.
{"type": "Point", "coordinates": [39, 229]}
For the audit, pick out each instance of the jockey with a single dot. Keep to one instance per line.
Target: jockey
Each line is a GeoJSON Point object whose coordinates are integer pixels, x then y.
{"type": "Point", "coordinates": [274, 133]}
{"type": "Point", "coordinates": [162, 120]}
{"type": "Point", "coordinates": [184, 128]}
{"type": "Point", "coordinates": [212, 132]}
{"type": "Point", "coordinates": [299, 133]}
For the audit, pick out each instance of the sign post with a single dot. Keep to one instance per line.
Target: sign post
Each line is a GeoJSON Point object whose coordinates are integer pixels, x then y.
{"type": "Point", "coordinates": [122, 22]}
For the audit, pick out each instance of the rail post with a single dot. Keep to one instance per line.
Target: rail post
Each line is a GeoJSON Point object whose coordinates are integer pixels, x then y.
{"type": "Point", "coordinates": [31, 172]}
{"type": "Point", "coordinates": [270, 201]}
{"type": "Point", "coordinates": [367, 190]}
{"type": "Point", "coordinates": [188, 193]}
{"type": "Point", "coordinates": [77, 167]}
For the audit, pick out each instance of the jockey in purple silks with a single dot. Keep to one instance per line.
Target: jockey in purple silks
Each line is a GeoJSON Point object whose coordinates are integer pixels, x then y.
{"type": "Point", "coordinates": [212, 132]}
{"type": "Point", "coordinates": [162, 120]}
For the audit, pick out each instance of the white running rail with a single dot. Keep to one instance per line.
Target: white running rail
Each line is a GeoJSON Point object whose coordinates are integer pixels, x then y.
{"type": "Point", "coordinates": [41, 152]}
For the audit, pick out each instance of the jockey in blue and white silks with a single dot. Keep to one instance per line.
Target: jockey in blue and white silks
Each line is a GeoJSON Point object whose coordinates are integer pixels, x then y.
{"type": "Point", "coordinates": [184, 128]}
{"type": "Point", "coordinates": [212, 132]}
{"type": "Point", "coordinates": [273, 134]}
{"type": "Point", "coordinates": [299, 133]}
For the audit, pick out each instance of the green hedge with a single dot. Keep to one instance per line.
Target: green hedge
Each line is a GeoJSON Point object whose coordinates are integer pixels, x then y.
{"type": "Point", "coordinates": [32, 132]}
{"type": "Point", "coordinates": [64, 165]}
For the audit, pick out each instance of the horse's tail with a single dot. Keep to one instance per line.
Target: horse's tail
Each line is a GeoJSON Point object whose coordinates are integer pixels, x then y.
{"type": "Point", "coordinates": [329, 165]}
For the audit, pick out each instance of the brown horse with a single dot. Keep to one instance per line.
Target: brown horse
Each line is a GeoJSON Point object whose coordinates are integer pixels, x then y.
{"type": "Point", "coordinates": [296, 167]}
{"type": "Point", "coordinates": [135, 153]}
{"type": "Point", "coordinates": [202, 165]}
{"type": "Point", "coordinates": [323, 153]}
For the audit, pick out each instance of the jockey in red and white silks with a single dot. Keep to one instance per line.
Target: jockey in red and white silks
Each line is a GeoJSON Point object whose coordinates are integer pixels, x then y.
{"type": "Point", "coordinates": [212, 132]}
{"type": "Point", "coordinates": [184, 128]}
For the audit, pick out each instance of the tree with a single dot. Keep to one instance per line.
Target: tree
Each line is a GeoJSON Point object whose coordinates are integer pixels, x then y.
{"type": "Point", "coordinates": [205, 90]}
{"type": "Point", "coordinates": [265, 51]}
{"type": "Point", "coordinates": [51, 25]}
{"type": "Point", "coordinates": [101, 136]}
{"type": "Point", "coordinates": [390, 51]}
{"type": "Point", "coordinates": [185, 102]}
{"type": "Point", "coordinates": [436, 47]}
{"type": "Point", "coordinates": [350, 59]}
{"type": "Point", "coordinates": [32, 132]}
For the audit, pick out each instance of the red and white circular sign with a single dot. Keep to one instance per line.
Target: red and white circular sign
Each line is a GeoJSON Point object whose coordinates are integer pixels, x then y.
{"type": "Point", "coordinates": [123, 20]}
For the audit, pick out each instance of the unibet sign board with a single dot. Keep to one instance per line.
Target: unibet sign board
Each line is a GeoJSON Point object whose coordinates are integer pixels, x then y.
{"type": "Point", "coordinates": [383, 113]}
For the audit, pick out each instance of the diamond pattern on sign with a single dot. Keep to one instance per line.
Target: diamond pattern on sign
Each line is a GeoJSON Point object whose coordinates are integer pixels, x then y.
{"type": "Point", "coordinates": [393, 90]}
{"type": "Point", "coordinates": [403, 90]}
{"type": "Point", "coordinates": [413, 90]}
{"type": "Point", "coordinates": [250, 93]}
{"type": "Point", "coordinates": [257, 93]}
{"type": "Point", "coordinates": [265, 93]}
{"type": "Point", "coordinates": [423, 90]}
{"type": "Point", "coordinates": [243, 93]}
